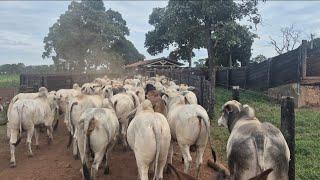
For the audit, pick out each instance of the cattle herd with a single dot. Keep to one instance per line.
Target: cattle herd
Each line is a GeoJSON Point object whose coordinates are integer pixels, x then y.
{"type": "Point", "coordinates": [147, 114]}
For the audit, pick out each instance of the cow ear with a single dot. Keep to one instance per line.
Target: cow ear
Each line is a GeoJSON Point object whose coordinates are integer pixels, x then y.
{"type": "Point", "coordinates": [191, 88]}
{"type": "Point", "coordinates": [228, 108]}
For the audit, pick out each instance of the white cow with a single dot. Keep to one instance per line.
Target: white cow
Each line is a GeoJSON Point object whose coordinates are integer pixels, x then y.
{"type": "Point", "coordinates": [124, 103]}
{"type": "Point", "coordinates": [149, 136]}
{"type": "Point", "coordinates": [189, 125]}
{"type": "Point", "coordinates": [190, 97]}
{"type": "Point", "coordinates": [27, 114]}
{"type": "Point", "coordinates": [253, 147]}
{"type": "Point", "coordinates": [75, 107]}
{"type": "Point", "coordinates": [97, 134]}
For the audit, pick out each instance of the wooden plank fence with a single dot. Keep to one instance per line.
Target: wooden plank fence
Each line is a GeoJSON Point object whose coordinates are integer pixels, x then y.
{"type": "Point", "coordinates": [301, 65]}
{"type": "Point", "coordinates": [31, 82]}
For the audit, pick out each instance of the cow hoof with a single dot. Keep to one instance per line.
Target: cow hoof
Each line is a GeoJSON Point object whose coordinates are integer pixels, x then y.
{"type": "Point", "coordinates": [125, 149]}
{"type": "Point", "coordinates": [182, 160]}
{"type": "Point", "coordinates": [37, 147]}
{"type": "Point", "coordinates": [12, 164]}
{"type": "Point", "coordinates": [106, 170]}
{"type": "Point", "coordinates": [30, 154]}
{"type": "Point", "coordinates": [49, 141]}
{"type": "Point", "coordinates": [76, 157]}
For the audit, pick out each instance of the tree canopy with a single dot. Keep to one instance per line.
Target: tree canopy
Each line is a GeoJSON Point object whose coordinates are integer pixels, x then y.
{"type": "Point", "coordinates": [258, 59]}
{"type": "Point", "coordinates": [198, 24]}
{"type": "Point", "coordinates": [88, 36]}
{"type": "Point", "coordinates": [186, 24]}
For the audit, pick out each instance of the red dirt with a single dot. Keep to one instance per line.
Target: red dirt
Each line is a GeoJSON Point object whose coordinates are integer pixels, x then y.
{"type": "Point", "coordinates": [55, 161]}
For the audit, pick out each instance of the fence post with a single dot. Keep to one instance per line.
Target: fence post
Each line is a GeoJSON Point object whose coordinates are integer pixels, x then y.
{"type": "Point", "coordinates": [235, 93]}
{"type": "Point", "coordinates": [202, 90]}
{"type": "Point", "coordinates": [288, 130]}
{"type": "Point", "coordinates": [303, 55]}
{"type": "Point", "coordinates": [269, 72]}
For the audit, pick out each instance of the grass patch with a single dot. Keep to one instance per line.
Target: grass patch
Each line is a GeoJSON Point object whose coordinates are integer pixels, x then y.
{"type": "Point", "coordinates": [307, 130]}
{"type": "Point", "coordinates": [9, 80]}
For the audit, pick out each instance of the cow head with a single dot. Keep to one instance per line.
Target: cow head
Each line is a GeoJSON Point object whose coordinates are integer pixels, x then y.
{"type": "Point", "coordinates": [233, 111]}
{"type": "Point", "coordinates": [76, 86]}
{"type": "Point", "coordinates": [43, 92]}
{"type": "Point", "coordinates": [106, 91]}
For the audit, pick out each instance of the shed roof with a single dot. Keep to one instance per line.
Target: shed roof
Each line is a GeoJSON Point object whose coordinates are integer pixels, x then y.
{"type": "Point", "coordinates": [155, 63]}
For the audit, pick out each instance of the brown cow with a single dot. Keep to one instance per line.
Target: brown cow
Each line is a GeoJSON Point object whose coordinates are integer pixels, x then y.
{"type": "Point", "coordinates": [159, 105]}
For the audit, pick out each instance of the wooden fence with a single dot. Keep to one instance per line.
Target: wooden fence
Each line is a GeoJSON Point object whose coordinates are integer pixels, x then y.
{"type": "Point", "coordinates": [301, 65]}
{"type": "Point", "coordinates": [8, 93]}
{"type": "Point", "coordinates": [31, 82]}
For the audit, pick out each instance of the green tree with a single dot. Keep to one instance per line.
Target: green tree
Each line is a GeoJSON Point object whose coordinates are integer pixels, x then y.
{"type": "Point", "coordinates": [203, 21]}
{"type": "Point", "coordinates": [234, 46]}
{"type": "Point", "coordinates": [88, 36]}
{"type": "Point", "coordinates": [258, 59]}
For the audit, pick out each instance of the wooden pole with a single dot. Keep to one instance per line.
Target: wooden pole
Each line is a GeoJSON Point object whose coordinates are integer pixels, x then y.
{"type": "Point", "coordinates": [235, 93]}
{"type": "Point", "coordinates": [304, 58]}
{"type": "Point", "coordinates": [288, 130]}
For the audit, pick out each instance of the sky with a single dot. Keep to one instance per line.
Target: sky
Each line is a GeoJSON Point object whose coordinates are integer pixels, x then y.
{"type": "Point", "coordinates": [24, 24]}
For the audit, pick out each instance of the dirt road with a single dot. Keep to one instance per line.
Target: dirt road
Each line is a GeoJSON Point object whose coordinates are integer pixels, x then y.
{"type": "Point", "coordinates": [55, 161]}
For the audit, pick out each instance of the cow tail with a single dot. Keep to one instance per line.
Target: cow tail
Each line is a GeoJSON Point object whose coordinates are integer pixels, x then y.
{"type": "Point", "coordinates": [86, 144]}
{"type": "Point", "coordinates": [205, 119]}
{"type": "Point", "coordinates": [259, 143]}
{"type": "Point", "coordinates": [135, 99]}
{"type": "Point", "coordinates": [156, 130]}
{"type": "Point", "coordinates": [20, 114]}
{"type": "Point", "coordinates": [115, 106]}
{"type": "Point", "coordinates": [69, 120]}
{"type": "Point", "coordinates": [56, 117]}
{"type": "Point", "coordinates": [85, 169]}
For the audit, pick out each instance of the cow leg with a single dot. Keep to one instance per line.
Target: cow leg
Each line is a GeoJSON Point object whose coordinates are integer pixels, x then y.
{"type": "Point", "coordinates": [49, 132]}
{"type": "Point", "coordinates": [36, 135]}
{"type": "Point", "coordinates": [199, 160]}
{"type": "Point", "coordinates": [13, 159]}
{"type": "Point", "coordinates": [106, 169]}
{"type": "Point", "coordinates": [95, 165]}
{"type": "Point", "coordinates": [185, 150]}
{"type": "Point", "coordinates": [75, 149]}
{"type": "Point", "coordinates": [13, 142]}
{"type": "Point", "coordinates": [170, 153]}
{"type": "Point", "coordinates": [161, 166]}
{"type": "Point", "coordinates": [29, 138]}
{"type": "Point", "coordinates": [143, 170]}
{"type": "Point", "coordinates": [123, 134]}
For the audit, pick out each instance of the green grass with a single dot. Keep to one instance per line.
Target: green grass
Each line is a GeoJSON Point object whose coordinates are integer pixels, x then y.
{"type": "Point", "coordinates": [9, 80]}
{"type": "Point", "coordinates": [307, 130]}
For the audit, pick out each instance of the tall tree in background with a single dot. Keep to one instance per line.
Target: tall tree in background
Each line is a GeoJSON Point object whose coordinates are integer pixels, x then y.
{"type": "Point", "coordinates": [290, 39]}
{"type": "Point", "coordinates": [258, 59]}
{"type": "Point", "coordinates": [202, 21]}
{"type": "Point", "coordinates": [88, 36]}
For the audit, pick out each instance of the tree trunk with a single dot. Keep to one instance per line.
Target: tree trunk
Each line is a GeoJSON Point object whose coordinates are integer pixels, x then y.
{"type": "Point", "coordinates": [230, 59]}
{"type": "Point", "coordinates": [211, 72]}
{"type": "Point", "coordinates": [190, 58]}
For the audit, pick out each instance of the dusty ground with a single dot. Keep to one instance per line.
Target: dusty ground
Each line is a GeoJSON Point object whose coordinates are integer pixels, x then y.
{"type": "Point", "coordinates": [55, 161]}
